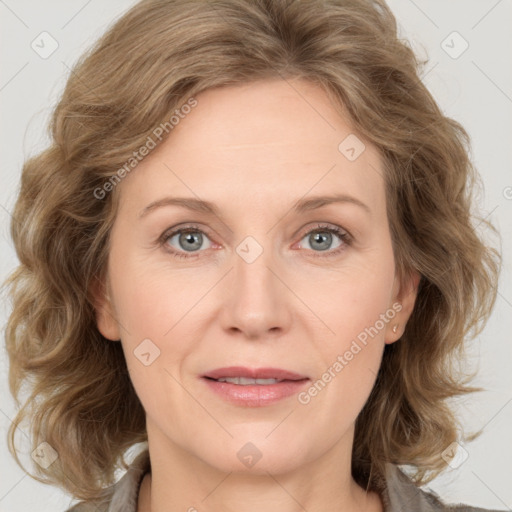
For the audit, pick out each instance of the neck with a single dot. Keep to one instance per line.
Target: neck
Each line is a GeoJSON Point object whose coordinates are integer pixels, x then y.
{"type": "Point", "coordinates": [182, 481]}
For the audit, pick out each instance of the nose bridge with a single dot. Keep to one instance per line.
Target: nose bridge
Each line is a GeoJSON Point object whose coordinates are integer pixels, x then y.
{"type": "Point", "coordinates": [257, 301]}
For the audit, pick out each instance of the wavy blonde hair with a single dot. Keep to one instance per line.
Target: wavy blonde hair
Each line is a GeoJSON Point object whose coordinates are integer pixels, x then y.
{"type": "Point", "coordinates": [155, 57]}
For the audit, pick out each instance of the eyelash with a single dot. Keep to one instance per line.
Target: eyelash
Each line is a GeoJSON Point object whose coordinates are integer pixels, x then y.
{"type": "Point", "coordinates": [320, 228]}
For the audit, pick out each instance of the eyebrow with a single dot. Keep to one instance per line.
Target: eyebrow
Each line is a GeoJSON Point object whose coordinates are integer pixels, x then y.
{"type": "Point", "coordinates": [199, 205]}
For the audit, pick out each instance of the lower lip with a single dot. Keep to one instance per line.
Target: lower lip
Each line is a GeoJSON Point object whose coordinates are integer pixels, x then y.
{"type": "Point", "coordinates": [254, 395]}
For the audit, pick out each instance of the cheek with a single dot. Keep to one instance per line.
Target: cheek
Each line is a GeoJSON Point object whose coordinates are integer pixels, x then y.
{"type": "Point", "coordinates": [350, 363]}
{"type": "Point", "coordinates": [153, 311]}
{"type": "Point", "coordinates": [355, 300]}
{"type": "Point", "coordinates": [150, 299]}
{"type": "Point", "coordinates": [357, 312]}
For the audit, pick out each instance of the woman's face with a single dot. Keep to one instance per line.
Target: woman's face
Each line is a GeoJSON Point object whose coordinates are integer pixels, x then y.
{"type": "Point", "coordinates": [259, 279]}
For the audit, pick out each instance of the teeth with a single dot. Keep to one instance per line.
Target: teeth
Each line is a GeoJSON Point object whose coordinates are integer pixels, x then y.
{"type": "Point", "coordinates": [244, 381]}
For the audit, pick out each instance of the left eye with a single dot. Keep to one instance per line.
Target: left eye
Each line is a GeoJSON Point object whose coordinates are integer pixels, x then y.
{"type": "Point", "coordinates": [321, 238]}
{"type": "Point", "coordinates": [190, 240]}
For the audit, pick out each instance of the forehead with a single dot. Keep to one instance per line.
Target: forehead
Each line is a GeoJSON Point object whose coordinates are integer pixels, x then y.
{"type": "Point", "coordinates": [271, 141]}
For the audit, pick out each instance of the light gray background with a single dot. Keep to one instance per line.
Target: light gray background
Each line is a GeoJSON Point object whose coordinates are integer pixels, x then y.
{"type": "Point", "coordinates": [475, 88]}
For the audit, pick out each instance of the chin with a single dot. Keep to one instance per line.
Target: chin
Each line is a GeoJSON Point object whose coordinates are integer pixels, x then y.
{"type": "Point", "coordinates": [255, 455]}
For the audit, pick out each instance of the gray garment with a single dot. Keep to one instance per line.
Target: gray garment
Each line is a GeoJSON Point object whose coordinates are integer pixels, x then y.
{"type": "Point", "coordinates": [398, 492]}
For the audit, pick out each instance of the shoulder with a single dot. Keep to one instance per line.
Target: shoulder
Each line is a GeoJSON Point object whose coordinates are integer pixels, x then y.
{"type": "Point", "coordinates": [399, 493]}
{"type": "Point", "coordinates": [123, 495]}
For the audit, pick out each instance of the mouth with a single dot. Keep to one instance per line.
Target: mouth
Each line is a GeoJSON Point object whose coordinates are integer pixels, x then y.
{"type": "Point", "coordinates": [254, 387]}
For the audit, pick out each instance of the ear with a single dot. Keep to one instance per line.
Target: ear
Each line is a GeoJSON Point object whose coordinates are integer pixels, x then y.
{"type": "Point", "coordinates": [105, 314]}
{"type": "Point", "coordinates": [403, 300]}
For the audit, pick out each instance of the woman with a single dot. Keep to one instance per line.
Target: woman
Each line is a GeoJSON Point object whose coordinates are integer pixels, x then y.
{"type": "Point", "coordinates": [249, 246]}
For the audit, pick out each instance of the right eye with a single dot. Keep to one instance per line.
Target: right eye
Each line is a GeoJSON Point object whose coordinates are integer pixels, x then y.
{"type": "Point", "coordinates": [184, 240]}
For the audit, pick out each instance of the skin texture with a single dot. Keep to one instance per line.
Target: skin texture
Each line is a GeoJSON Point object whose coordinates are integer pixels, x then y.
{"type": "Point", "coordinates": [253, 150]}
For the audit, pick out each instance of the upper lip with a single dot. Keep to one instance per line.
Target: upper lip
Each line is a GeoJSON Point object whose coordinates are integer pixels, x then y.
{"type": "Point", "coordinates": [254, 373]}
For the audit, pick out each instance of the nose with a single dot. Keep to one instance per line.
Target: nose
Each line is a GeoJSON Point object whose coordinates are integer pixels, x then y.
{"type": "Point", "coordinates": [257, 300]}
